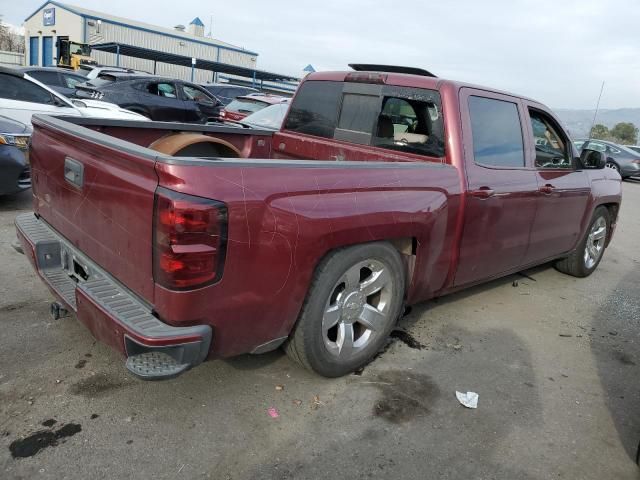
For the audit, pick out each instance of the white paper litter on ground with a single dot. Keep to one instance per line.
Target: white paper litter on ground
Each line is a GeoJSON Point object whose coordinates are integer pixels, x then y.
{"type": "Point", "coordinates": [469, 399]}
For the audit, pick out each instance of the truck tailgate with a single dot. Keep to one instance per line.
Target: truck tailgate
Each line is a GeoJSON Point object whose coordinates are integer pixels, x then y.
{"type": "Point", "coordinates": [98, 193]}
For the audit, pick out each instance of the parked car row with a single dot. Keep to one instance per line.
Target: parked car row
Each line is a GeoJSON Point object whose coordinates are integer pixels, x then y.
{"type": "Point", "coordinates": [157, 98]}
{"type": "Point", "coordinates": [172, 100]}
{"type": "Point", "coordinates": [624, 160]}
{"type": "Point", "coordinates": [21, 96]}
{"type": "Point", "coordinates": [153, 97]}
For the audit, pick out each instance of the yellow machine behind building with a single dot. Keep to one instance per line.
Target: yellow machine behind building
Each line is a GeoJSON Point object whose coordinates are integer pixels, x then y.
{"type": "Point", "coordinates": [73, 54]}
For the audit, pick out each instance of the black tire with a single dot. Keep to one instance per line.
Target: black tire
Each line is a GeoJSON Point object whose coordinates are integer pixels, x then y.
{"type": "Point", "coordinates": [575, 264]}
{"type": "Point", "coordinates": [306, 344]}
{"type": "Point", "coordinates": [613, 166]}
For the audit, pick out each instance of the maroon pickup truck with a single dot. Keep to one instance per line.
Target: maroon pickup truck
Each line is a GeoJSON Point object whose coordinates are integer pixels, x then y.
{"type": "Point", "coordinates": [177, 243]}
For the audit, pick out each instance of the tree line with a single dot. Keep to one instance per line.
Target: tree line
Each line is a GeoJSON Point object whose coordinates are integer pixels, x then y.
{"type": "Point", "coordinates": [624, 133]}
{"type": "Point", "coordinates": [9, 41]}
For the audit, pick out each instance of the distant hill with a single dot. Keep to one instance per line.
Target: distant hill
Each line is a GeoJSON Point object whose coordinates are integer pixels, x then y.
{"type": "Point", "coordinates": [578, 122]}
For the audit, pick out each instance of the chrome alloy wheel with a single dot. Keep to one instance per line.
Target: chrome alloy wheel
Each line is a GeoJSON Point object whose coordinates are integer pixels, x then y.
{"type": "Point", "coordinates": [595, 242]}
{"type": "Point", "coordinates": [358, 309]}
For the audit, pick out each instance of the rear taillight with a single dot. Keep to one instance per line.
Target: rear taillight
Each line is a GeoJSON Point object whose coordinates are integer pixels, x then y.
{"type": "Point", "coordinates": [190, 239]}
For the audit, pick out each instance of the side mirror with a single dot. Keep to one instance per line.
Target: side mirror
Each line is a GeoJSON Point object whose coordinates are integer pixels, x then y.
{"type": "Point", "coordinates": [593, 159]}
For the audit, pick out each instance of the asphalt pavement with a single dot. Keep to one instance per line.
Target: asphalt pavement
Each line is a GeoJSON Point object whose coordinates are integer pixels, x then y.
{"type": "Point", "coordinates": [553, 358]}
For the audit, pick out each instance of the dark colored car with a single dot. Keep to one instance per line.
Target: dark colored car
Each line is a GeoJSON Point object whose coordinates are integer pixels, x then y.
{"type": "Point", "coordinates": [15, 175]}
{"type": "Point", "coordinates": [244, 106]}
{"type": "Point", "coordinates": [622, 159]}
{"type": "Point", "coordinates": [226, 93]}
{"type": "Point", "coordinates": [158, 98]}
{"type": "Point", "coordinates": [61, 80]}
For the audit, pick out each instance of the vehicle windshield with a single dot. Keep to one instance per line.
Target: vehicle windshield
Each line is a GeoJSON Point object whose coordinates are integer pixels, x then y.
{"type": "Point", "coordinates": [102, 80]}
{"type": "Point", "coordinates": [246, 105]}
{"type": "Point", "coordinates": [270, 117]}
{"type": "Point", "coordinates": [80, 49]}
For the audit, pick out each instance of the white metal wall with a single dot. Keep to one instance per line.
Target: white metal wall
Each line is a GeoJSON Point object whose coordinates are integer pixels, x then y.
{"type": "Point", "coordinates": [11, 58]}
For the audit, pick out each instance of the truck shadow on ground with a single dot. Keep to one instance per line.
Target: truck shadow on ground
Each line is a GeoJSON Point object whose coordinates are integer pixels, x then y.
{"type": "Point", "coordinates": [401, 422]}
{"type": "Point", "coordinates": [615, 345]}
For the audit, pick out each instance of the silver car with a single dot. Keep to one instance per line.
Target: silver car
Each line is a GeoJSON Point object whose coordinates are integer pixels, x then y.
{"type": "Point", "coordinates": [622, 159]}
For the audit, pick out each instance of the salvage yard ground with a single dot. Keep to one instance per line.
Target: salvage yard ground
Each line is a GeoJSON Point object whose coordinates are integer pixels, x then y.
{"type": "Point", "coordinates": [553, 358]}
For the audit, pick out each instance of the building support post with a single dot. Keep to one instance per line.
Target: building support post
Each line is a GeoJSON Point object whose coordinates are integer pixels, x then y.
{"type": "Point", "coordinates": [155, 64]}
{"type": "Point", "coordinates": [117, 55]}
{"type": "Point", "coordinates": [215, 75]}
{"type": "Point", "coordinates": [193, 67]}
{"type": "Point", "coordinates": [253, 83]}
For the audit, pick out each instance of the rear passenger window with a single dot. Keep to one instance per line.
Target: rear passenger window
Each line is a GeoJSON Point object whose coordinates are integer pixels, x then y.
{"type": "Point", "coordinates": [166, 90]}
{"type": "Point", "coordinates": [315, 109]}
{"type": "Point", "coordinates": [496, 131]}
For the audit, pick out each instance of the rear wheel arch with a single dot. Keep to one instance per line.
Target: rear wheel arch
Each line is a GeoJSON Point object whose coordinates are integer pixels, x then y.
{"type": "Point", "coordinates": [613, 209]}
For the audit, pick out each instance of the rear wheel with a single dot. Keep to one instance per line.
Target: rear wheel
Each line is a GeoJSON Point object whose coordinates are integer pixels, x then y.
{"type": "Point", "coordinates": [353, 304]}
{"type": "Point", "coordinates": [585, 259]}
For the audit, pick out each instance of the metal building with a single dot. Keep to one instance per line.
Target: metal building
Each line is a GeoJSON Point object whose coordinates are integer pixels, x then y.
{"type": "Point", "coordinates": [54, 20]}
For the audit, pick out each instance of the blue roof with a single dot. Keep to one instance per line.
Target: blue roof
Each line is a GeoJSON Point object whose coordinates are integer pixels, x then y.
{"type": "Point", "coordinates": [197, 22]}
{"type": "Point", "coordinates": [309, 68]}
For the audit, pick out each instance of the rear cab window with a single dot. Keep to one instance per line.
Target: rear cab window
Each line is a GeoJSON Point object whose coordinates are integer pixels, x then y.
{"type": "Point", "coordinates": [402, 119]}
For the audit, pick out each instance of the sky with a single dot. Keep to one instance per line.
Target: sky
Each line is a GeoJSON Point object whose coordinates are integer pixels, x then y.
{"type": "Point", "coordinates": [555, 51]}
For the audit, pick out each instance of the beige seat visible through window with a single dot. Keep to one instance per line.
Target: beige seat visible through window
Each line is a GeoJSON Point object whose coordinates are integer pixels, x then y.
{"type": "Point", "coordinates": [410, 137]}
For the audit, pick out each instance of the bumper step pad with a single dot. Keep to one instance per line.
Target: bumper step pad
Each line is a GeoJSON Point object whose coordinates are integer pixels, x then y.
{"type": "Point", "coordinates": [155, 365]}
{"type": "Point", "coordinates": [161, 351]}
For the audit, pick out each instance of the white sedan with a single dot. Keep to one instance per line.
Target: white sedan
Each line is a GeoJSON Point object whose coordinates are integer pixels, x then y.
{"type": "Point", "coordinates": [21, 96]}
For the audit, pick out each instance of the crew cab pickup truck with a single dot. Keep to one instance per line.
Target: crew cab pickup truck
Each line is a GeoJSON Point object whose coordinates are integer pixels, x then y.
{"type": "Point", "coordinates": [177, 243]}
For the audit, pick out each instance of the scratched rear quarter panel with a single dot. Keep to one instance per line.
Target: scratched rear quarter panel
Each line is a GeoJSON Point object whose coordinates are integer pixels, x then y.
{"type": "Point", "coordinates": [284, 217]}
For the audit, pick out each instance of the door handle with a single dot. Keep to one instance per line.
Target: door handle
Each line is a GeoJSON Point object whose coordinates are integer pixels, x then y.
{"type": "Point", "coordinates": [547, 189]}
{"type": "Point", "coordinates": [482, 193]}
